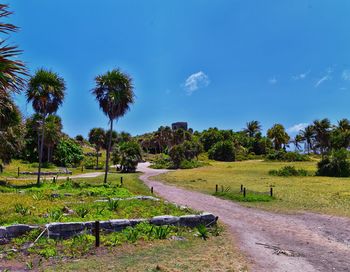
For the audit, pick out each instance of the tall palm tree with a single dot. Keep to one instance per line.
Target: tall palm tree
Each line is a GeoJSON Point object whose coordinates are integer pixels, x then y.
{"type": "Point", "coordinates": [322, 134]}
{"type": "Point", "coordinates": [278, 135]}
{"type": "Point", "coordinates": [308, 134]}
{"type": "Point", "coordinates": [297, 140]}
{"type": "Point", "coordinates": [252, 128]}
{"type": "Point", "coordinates": [114, 93]}
{"type": "Point", "coordinates": [344, 125]}
{"type": "Point", "coordinates": [45, 91]}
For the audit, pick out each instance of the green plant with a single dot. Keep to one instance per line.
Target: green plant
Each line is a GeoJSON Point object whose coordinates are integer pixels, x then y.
{"type": "Point", "coordinates": [202, 232]}
{"type": "Point", "coordinates": [55, 214]}
{"type": "Point", "coordinates": [29, 265]}
{"type": "Point", "coordinates": [112, 204]}
{"type": "Point", "coordinates": [21, 209]}
{"type": "Point", "coordinates": [82, 211]}
{"type": "Point", "coordinates": [161, 232]}
{"type": "Point", "coordinates": [222, 151]}
{"type": "Point", "coordinates": [288, 171]}
{"type": "Point", "coordinates": [335, 165]}
{"type": "Point", "coordinates": [132, 234]}
{"type": "Point", "coordinates": [79, 245]}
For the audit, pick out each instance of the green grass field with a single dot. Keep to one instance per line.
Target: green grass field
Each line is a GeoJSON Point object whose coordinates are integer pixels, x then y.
{"type": "Point", "coordinates": [311, 193]}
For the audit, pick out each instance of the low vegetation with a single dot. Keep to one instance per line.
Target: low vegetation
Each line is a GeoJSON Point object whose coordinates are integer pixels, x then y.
{"type": "Point", "coordinates": [288, 171]}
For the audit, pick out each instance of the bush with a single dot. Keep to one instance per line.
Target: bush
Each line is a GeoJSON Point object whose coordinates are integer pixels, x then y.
{"type": "Point", "coordinates": [336, 165]}
{"type": "Point", "coordinates": [282, 155]}
{"type": "Point", "coordinates": [128, 154]}
{"type": "Point", "coordinates": [288, 171]}
{"type": "Point", "coordinates": [161, 161]}
{"type": "Point", "coordinates": [68, 152]}
{"type": "Point", "coordinates": [177, 155]}
{"type": "Point", "coordinates": [222, 151]}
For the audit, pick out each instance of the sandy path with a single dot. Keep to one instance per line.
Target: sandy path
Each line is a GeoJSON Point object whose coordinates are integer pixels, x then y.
{"type": "Point", "coordinates": [322, 241]}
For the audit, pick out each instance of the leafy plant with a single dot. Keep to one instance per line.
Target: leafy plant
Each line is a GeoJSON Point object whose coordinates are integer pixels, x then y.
{"type": "Point", "coordinates": [82, 211]}
{"type": "Point", "coordinates": [55, 214]}
{"type": "Point", "coordinates": [112, 204]}
{"type": "Point", "coordinates": [132, 234]}
{"type": "Point", "coordinates": [21, 209]}
{"type": "Point", "coordinates": [288, 171]}
{"type": "Point", "coordinates": [335, 165]}
{"type": "Point", "coordinates": [161, 232]}
{"type": "Point", "coordinates": [202, 232]}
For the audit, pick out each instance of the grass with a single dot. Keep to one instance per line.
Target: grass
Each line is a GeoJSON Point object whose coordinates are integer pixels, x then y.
{"type": "Point", "coordinates": [24, 202]}
{"type": "Point", "coordinates": [307, 193]}
{"type": "Point", "coordinates": [194, 254]}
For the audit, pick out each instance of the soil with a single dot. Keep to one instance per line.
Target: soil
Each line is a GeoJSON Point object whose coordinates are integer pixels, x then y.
{"type": "Point", "coordinates": [271, 241]}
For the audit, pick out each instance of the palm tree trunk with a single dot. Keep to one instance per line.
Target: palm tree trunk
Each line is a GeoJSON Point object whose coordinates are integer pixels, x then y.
{"type": "Point", "coordinates": [108, 150]}
{"type": "Point", "coordinates": [41, 150]}
{"type": "Point", "coordinates": [97, 159]}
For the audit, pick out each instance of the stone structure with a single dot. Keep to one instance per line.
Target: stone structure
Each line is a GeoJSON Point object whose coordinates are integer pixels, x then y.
{"type": "Point", "coordinates": [178, 125]}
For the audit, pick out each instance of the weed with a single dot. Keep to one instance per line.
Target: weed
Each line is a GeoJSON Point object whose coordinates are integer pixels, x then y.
{"type": "Point", "coordinates": [202, 232]}
{"type": "Point", "coordinates": [161, 232]}
{"type": "Point", "coordinates": [21, 209]}
{"type": "Point", "coordinates": [55, 214]}
{"type": "Point", "coordinates": [112, 205]}
{"type": "Point", "coordinates": [82, 211]}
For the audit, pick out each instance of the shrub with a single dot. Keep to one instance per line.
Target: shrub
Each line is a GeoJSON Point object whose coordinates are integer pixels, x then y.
{"type": "Point", "coordinates": [202, 232]}
{"type": "Point", "coordinates": [21, 209]}
{"type": "Point", "coordinates": [336, 165]}
{"type": "Point", "coordinates": [128, 154]}
{"type": "Point", "coordinates": [68, 152]}
{"type": "Point", "coordinates": [281, 155]}
{"type": "Point", "coordinates": [177, 155]}
{"type": "Point", "coordinates": [222, 151]}
{"type": "Point", "coordinates": [288, 171]}
{"type": "Point", "coordinates": [112, 204]}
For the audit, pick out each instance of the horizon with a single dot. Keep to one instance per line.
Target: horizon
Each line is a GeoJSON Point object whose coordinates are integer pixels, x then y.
{"type": "Point", "coordinates": [211, 64]}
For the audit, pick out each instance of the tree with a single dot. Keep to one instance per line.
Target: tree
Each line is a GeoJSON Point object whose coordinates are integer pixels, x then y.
{"type": "Point", "coordinates": [114, 93]}
{"type": "Point", "coordinates": [210, 137]}
{"type": "Point", "coordinates": [128, 154]}
{"type": "Point", "coordinates": [252, 128]}
{"type": "Point", "coordinates": [336, 165]}
{"type": "Point", "coordinates": [222, 151]}
{"type": "Point", "coordinates": [12, 70]}
{"type": "Point", "coordinates": [97, 138]}
{"type": "Point", "coordinates": [297, 140]}
{"type": "Point", "coordinates": [45, 91]}
{"type": "Point", "coordinates": [11, 142]}
{"type": "Point", "coordinates": [278, 135]}
{"type": "Point", "coordinates": [53, 134]}
{"type": "Point", "coordinates": [308, 135]}
{"type": "Point", "coordinates": [322, 134]}
{"type": "Point", "coordinates": [177, 155]}
{"type": "Point", "coordinates": [68, 152]}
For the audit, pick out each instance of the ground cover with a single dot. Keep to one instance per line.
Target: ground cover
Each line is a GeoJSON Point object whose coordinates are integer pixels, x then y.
{"type": "Point", "coordinates": [295, 193]}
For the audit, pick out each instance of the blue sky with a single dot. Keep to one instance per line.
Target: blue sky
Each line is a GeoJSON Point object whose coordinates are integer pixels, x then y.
{"type": "Point", "coordinates": [210, 63]}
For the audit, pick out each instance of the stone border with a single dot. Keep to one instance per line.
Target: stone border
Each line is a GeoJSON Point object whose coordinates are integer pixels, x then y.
{"type": "Point", "coordinates": [47, 173]}
{"type": "Point", "coordinates": [69, 229]}
{"type": "Point", "coordinates": [130, 198]}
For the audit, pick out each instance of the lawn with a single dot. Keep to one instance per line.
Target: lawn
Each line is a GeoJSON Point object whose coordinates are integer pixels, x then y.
{"type": "Point", "coordinates": [292, 194]}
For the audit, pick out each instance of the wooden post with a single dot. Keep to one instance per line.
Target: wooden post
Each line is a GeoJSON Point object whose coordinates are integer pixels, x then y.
{"type": "Point", "coordinates": [1, 169]}
{"type": "Point", "coordinates": [222, 188]}
{"type": "Point", "coordinates": [97, 233]}
{"type": "Point", "coordinates": [216, 188]}
{"type": "Point", "coordinates": [54, 179]}
{"type": "Point", "coordinates": [152, 190]}
{"type": "Point", "coordinates": [271, 192]}
{"type": "Point", "coordinates": [121, 180]}
{"type": "Point", "coordinates": [241, 188]}
{"type": "Point", "coordinates": [244, 192]}
{"type": "Point", "coordinates": [18, 171]}
{"type": "Point", "coordinates": [82, 168]}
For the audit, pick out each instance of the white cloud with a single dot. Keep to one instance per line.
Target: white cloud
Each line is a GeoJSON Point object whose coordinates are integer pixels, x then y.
{"type": "Point", "coordinates": [346, 75]}
{"type": "Point", "coordinates": [296, 128]}
{"type": "Point", "coordinates": [301, 76]}
{"type": "Point", "coordinates": [324, 78]}
{"type": "Point", "coordinates": [196, 81]}
{"type": "Point", "coordinates": [273, 80]}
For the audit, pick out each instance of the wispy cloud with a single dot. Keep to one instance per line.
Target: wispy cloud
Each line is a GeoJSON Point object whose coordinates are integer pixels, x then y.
{"type": "Point", "coordinates": [273, 80]}
{"type": "Point", "coordinates": [324, 78]}
{"type": "Point", "coordinates": [296, 128]}
{"type": "Point", "coordinates": [346, 75]}
{"type": "Point", "coordinates": [301, 76]}
{"type": "Point", "coordinates": [196, 81]}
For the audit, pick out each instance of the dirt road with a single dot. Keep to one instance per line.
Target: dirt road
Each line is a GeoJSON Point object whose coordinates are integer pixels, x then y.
{"type": "Point", "coordinates": [317, 242]}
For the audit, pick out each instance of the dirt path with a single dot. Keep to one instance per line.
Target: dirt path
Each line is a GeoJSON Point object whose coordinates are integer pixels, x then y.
{"type": "Point", "coordinates": [322, 241]}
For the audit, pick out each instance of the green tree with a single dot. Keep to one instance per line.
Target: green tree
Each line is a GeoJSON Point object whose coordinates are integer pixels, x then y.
{"type": "Point", "coordinates": [278, 136]}
{"type": "Point", "coordinates": [308, 134]}
{"type": "Point", "coordinates": [322, 132]}
{"type": "Point", "coordinates": [177, 155]}
{"type": "Point", "coordinates": [53, 133]}
{"type": "Point", "coordinates": [68, 152]}
{"type": "Point", "coordinates": [210, 137]}
{"type": "Point", "coordinates": [45, 91]}
{"type": "Point", "coordinates": [252, 128]}
{"type": "Point", "coordinates": [335, 165]}
{"type": "Point", "coordinates": [222, 151]}
{"type": "Point", "coordinates": [128, 154]}
{"type": "Point", "coordinates": [114, 93]}
{"type": "Point", "coordinates": [97, 139]}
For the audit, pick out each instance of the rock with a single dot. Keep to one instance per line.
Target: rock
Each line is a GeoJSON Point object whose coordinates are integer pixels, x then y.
{"type": "Point", "coordinates": [3, 232]}
{"type": "Point", "coordinates": [165, 220]}
{"type": "Point", "coordinates": [177, 238]}
{"type": "Point", "coordinates": [208, 219]}
{"type": "Point", "coordinates": [67, 211]}
{"type": "Point", "coordinates": [64, 230]}
{"type": "Point", "coordinates": [67, 194]}
{"type": "Point", "coordinates": [134, 222]}
{"type": "Point", "coordinates": [17, 230]}
{"type": "Point", "coordinates": [55, 195]}
{"type": "Point", "coordinates": [190, 220]}
{"type": "Point", "coordinates": [119, 224]}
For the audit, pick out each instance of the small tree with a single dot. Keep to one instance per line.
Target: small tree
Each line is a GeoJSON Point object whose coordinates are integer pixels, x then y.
{"type": "Point", "coordinates": [68, 152]}
{"type": "Point", "coordinates": [336, 165]}
{"type": "Point", "coordinates": [97, 137]}
{"type": "Point", "coordinates": [177, 155]}
{"type": "Point", "coordinates": [128, 154]}
{"type": "Point", "coordinates": [222, 151]}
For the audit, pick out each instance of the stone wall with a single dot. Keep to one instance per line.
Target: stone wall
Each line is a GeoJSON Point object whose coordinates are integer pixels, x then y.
{"type": "Point", "coordinates": [66, 230]}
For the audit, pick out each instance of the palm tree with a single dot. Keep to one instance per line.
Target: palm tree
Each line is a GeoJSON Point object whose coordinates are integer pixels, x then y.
{"type": "Point", "coordinates": [278, 135]}
{"type": "Point", "coordinates": [12, 70]}
{"type": "Point", "coordinates": [297, 140]}
{"type": "Point", "coordinates": [308, 134]}
{"type": "Point", "coordinates": [46, 91]}
{"type": "Point", "coordinates": [114, 93]}
{"type": "Point", "coordinates": [252, 128]}
{"type": "Point", "coordinates": [322, 134]}
{"type": "Point", "coordinates": [344, 125]}
{"type": "Point", "coordinates": [97, 138]}
{"type": "Point", "coordinates": [53, 133]}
